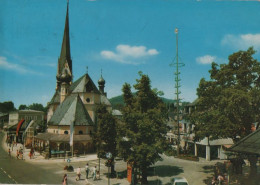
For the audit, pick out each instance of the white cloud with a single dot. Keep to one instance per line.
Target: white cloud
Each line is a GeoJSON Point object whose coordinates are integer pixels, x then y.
{"type": "Point", "coordinates": [242, 41]}
{"type": "Point", "coordinates": [4, 64]}
{"type": "Point", "coordinates": [207, 59]}
{"type": "Point", "coordinates": [128, 54]}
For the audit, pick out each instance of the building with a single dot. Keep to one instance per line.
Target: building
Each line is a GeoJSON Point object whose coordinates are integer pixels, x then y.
{"type": "Point", "coordinates": [4, 119]}
{"type": "Point", "coordinates": [208, 149]}
{"type": "Point", "coordinates": [23, 118]}
{"type": "Point", "coordinates": [72, 109]}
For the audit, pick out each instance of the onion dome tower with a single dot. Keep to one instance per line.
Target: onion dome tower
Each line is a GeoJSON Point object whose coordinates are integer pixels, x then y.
{"type": "Point", "coordinates": [101, 84]}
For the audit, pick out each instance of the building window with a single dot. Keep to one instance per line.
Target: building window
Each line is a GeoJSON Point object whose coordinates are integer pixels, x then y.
{"type": "Point", "coordinates": [80, 132]}
{"type": "Point", "coordinates": [88, 100]}
{"type": "Point", "coordinates": [54, 131]}
{"type": "Point", "coordinates": [66, 132]}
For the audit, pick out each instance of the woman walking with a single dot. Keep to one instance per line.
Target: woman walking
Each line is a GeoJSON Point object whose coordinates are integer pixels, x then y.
{"type": "Point", "coordinates": [65, 180]}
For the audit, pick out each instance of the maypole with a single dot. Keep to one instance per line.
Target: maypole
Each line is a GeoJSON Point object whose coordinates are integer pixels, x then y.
{"type": "Point", "coordinates": [177, 92]}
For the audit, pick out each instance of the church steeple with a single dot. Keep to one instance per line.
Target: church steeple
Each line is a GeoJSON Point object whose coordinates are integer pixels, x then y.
{"type": "Point", "coordinates": [65, 62]}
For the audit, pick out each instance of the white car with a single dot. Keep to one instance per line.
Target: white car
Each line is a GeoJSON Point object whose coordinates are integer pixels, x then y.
{"type": "Point", "coordinates": [180, 181]}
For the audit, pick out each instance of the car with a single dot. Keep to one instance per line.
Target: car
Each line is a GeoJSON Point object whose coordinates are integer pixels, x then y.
{"type": "Point", "coordinates": [180, 181]}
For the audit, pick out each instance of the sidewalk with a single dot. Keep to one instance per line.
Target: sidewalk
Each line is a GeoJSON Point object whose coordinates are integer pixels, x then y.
{"type": "Point", "coordinates": [91, 158]}
{"type": "Point", "coordinates": [38, 158]}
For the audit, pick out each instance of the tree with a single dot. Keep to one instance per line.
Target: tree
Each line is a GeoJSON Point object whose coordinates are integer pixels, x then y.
{"type": "Point", "coordinates": [7, 107]}
{"type": "Point", "coordinates": [142, 136]}
{"type": "Point", "coordinates": [229, 102]}
{"type": "Point", "coordinates": [37, 106]}
{"type": "Point", "coordinates": [23, 107]}
{"type": "Point", "coordinates": [106, 134]}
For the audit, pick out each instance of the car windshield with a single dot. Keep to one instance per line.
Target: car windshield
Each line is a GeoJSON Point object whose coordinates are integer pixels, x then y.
{"type": "Point", "coordinates": [181, 183]}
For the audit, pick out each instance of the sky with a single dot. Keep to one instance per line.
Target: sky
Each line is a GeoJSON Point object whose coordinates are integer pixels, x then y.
{"type": "Point", "coordinates": [120, 38]}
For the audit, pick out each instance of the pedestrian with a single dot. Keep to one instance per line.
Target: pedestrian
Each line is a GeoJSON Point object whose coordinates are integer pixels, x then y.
{"type": "Point", "coordinates": [30, 155]}
{"type": "Point", "coordinates": [220, 179]}
{"type": "Point", "coordinates": [17, 154]}
{"type": "Point", "coordinates": [94, 173]}
{"type": "Point", "coordinates": [65, 180]}
{"type": "Point", "coordinates": [214, 182]}
{"type": "Point", "coordinates": [9, 152]}
{"type": "Point", "coordinates": [32, 151]}
{"type": "Point", "coordinates": [87, 170]}
{"type": "Point", "coordinates": [78, 174]}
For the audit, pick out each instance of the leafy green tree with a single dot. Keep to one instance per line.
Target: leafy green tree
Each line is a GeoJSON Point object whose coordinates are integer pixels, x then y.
{"type": "Point", "coordinates": [229, 102]}
{"type": "Point", "coordinates": [106, 134]}
{"type": "Point", "coordinates": [7, 106]}
{"type": "Point", "coordinates": [142, 136]}
{"type": "Point", "coordinates": [23, 107]}
{"type": "Point", "coordinates": [37, 106]}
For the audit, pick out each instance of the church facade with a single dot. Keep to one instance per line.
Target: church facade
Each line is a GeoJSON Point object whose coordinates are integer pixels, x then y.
{"type": "Point", "coordinates": [72, 109]}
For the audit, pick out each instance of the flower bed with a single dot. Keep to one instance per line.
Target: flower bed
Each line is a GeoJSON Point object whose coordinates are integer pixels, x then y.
{"type": "Point", "coordinates": [188, 157]}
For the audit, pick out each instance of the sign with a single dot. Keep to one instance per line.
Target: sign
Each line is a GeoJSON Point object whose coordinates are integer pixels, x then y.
{"type": "Point", "coordinates": [108, 155]}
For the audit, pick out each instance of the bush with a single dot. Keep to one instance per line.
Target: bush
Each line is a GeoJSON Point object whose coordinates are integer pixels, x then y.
{"type": "Point", "coordinates": [171, 152]}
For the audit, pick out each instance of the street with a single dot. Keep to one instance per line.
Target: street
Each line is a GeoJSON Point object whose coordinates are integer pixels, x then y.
{"type": "Point", "coordinates": [28, 171]}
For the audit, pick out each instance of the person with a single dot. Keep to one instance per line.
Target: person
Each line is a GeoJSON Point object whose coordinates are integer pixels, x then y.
{"type": "Point", "coordinates": [78, 174]}
{"type": "Point", "coordinates": [17, 154]}
{"type": "Point", "coordinates": [32, 151]}
{"type": "Point", "coordinates": [220, 179]}
{"type": "Point", "coordinates": [94, 173]}
{"type": "Point", "coordinates": [30, 155]}
{"type": "Point", "coordinates": [9, 152]}
{"type": "Point", "coordinates": [214, 182]}
{"type": "Point", "coordinates": [65, 180]}
{"type": "Point", "coordinates": [87, 170]}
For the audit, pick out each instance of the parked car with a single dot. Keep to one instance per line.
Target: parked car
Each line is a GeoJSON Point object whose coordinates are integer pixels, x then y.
{"type": "Point", "coordinates": [180, 181]}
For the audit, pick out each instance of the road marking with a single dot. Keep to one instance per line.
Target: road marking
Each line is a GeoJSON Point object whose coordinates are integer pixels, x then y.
{"type": "Point", "coordinates": [4, 172]}
{"type": "Point", "coordinates": [9, 176]}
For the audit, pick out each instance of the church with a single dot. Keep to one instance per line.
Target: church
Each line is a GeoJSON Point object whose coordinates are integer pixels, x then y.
{"type": "Point", "coordinates": [72, 110]}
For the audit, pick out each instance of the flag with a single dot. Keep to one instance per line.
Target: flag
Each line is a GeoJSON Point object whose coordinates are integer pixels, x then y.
{"type": "Point", "coordinates": [19, 126]}
{"type": "Point", "coordinates": [71, 133]}
{"type": "Point", "coordinates": [176, 30]}
{"type": "Point", "coordinates": [27, 127]}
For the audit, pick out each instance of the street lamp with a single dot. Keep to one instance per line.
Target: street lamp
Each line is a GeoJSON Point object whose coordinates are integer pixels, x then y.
{"type": "Point", "coordinates": [108, 156]}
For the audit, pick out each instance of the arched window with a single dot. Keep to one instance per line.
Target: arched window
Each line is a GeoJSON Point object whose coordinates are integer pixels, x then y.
{"type": "Point", "coordinates": [80, 132]}
{"type": "Point", "coordinates": [66, 132]}
{"type": "Point", "coordinates": [88, 100]}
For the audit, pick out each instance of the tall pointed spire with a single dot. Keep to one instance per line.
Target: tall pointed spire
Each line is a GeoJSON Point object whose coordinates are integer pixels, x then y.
{"type": "Point", "coordinates": [65, 62]}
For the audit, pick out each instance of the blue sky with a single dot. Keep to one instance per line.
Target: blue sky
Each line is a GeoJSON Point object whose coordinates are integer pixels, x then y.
{"type": "Point", "coordinates": [121, 38]}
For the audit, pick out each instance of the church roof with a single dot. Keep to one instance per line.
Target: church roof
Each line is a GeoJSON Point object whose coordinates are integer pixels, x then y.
{"type": "Point", "coordinates": [55, 98]}
{"type": "Point", "coordinates": [105, 100]}
{"type": "Point", "coordinates": [65, 56]}
{"type": "Point", "coordinates": [249, 144]}
{"type": "Point", "coordinates": [84, 84]}
{"type": "Point", "coordinates": [71, 110]}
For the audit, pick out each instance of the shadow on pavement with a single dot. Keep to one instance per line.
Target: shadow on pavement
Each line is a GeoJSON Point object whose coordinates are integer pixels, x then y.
{"type": "Point", "coordinates": [208, 169]}
{"type": "Point", "coordinates": [155, 182]}
{"type": "Point", "coordinates": [165, 171]}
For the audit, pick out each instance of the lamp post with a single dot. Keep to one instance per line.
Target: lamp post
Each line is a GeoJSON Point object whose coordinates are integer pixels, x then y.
{"type": "Point", "coordinates": [108, 156]}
